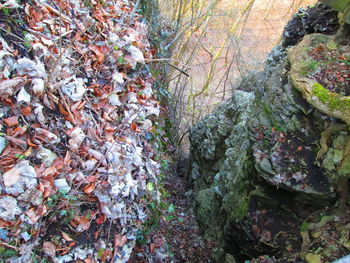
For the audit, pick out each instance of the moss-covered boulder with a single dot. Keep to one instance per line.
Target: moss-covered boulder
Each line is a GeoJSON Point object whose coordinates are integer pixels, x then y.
{"type": "Point", "coordinates": [330, 103]}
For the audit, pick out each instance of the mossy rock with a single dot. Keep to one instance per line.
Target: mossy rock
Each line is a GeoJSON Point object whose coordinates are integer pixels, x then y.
{"type": "Point", "coordinates": [330, 103]}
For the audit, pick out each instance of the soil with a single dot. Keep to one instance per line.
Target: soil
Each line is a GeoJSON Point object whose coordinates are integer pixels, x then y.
{"type": "Point", "coordinates": [179, 239]}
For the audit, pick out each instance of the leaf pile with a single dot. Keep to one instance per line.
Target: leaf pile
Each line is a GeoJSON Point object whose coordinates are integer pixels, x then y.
{"type": "Point", "coordinates": [331, 66]}
{"type": "Point", "coordinates": [76, 105]}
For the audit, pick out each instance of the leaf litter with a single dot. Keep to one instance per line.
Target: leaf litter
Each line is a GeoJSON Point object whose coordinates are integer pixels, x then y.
{"type": "Point", "coordinates": [76, 103]}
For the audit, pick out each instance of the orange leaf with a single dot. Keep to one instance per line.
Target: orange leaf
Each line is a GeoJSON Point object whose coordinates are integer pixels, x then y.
{"type": "Point", "coordinates": [62, 110]}
{"type": "Point", "coordinates": [133, 126]}
{"type": "Point", "coordinates": [89, 188]}
{"type": "Point", "coordinates": [11, 121]}
{"type": "Point", "coordinates": [29, 142]}
{"type": "Point", "coordinates": [66, 237]}
{"type": "Point", "coordinates": [72, 244]}
{"type": "Point", "coordinates": [97, 50]}
{"type": "Point", "coordinates": [26, 111]}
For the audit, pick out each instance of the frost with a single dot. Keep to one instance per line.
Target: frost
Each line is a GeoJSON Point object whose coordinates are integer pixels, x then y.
{"type": "Point", "coordinates": [62, 185]}
{"type": "Point", "coordinates": [38, 86]}
{"type": "Point", "coordinates": [8, 208]}
{"type": "Point", "coordinates": [26, 66]}
{"type": "Point", "coordinates": [74, 89]}
{"type": "Point", "coordinates": [77, 137]}
{"type": "Point", "coordinates": [136, 54]}
{"type": "Point", "coordinates": [23, 96]}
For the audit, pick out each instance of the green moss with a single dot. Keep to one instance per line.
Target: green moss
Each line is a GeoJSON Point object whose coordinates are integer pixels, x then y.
{"type": "Point", "coordinates": [309, 66]}
{"type": "Point", "coordinates": [333, 100]}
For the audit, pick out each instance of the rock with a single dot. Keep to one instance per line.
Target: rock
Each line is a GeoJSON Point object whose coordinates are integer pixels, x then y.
{"type": "Point", "coordinates": [8, 208]}
{"type": "Point", "coordinates": [11, 177]}
{"type": "Point", "coordinates": [21, 177]}
{"type": "Point", "coordinates": [317, 19]}
{"type": "Point", "coordinates": [253, 165]}
{"type": "Point", "coordinates": [62, 185]}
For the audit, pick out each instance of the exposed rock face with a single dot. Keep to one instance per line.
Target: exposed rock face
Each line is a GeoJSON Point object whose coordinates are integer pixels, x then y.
{"type": "Point", "coordinates": [255, 170]}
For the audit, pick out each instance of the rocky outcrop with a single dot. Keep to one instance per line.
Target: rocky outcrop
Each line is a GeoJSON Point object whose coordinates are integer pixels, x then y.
{"type": "Point", "coordinates": [255, 167]}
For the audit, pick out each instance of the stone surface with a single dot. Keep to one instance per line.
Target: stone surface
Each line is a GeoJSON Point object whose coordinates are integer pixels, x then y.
{"type": "Point", "coordinates": [21, 177]}
{"type": "Point", "coordinates": [308, 21]}
{"type": "Point", "coordinates": [254, 166]}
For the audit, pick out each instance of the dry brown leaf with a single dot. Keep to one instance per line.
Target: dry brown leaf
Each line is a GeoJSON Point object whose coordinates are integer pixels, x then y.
{"type": "Point", "coordinates": [11, 121]}
{"type": "Point", "coordinates": [49, 248]}
{"type": "Point", "coordinates": [26, 110]}
{"type": "Point", "coordinates": [11, 177]}
{"type": "Point", "coordinates": [33, 215]}
{"type": "Point", "coordinates": [119, 240]}
{"type": "Point", "coordinates": [88, 260]}
{"type": "Point", "coordinates": [66, 237]}
{"type": "Point", "coordinates": [133, 126]}
{"type": "Point", "coordinates": [9, 86]}
{"type": "Point", "coordinates": [89, 188]}
{"type": "Point", "coordinates": [97, 50]}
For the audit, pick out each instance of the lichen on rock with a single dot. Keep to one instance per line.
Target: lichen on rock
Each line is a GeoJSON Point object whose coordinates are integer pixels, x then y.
{"type": "Point", "coordinates": [255, 168]}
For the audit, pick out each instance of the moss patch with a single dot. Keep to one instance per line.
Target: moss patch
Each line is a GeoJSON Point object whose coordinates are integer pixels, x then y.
{"type": "Point", "coordinates": [333, 100]}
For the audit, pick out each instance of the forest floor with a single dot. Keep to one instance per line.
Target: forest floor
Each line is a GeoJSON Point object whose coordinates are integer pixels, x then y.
{"type": "Point", "coordinates": [82, 172]}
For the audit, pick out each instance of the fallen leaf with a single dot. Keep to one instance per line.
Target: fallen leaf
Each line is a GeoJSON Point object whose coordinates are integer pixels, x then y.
{"type": "Point", "coordinates": [33, 215]}
{"type": "Point", "coordinates": [11, 177]}
{"type": "Point", "coordinates": [9, 86]}
{"type": "Point", "coordinates": [89, 188]}
{"type": "Point", "coordinates": [133, 126]}
{"type": "Point", "coordinates": [152, 247]}
{"type": "Point", "coordinates": [313, 258]}
{"type": "Point", "coordinates": [97, 50]}
{"type": "Point", "coordinates": [119, 240]}
{"type": "Point", "coordinates": [49, 248]}
{"type": "Point", "coordinates": [26, 111]}
{"type": "Point", "coordinates": [66, 237]}
{"type": "Point", "coordinates": [11, 121]}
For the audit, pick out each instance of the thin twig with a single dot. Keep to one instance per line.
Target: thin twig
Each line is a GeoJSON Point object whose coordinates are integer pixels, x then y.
{"type": "Point", "coordinates": [9, 246]}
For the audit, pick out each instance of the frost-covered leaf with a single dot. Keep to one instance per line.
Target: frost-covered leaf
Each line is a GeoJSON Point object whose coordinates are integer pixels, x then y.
{"type": "Point", "coordinates": [11, 177]}
{"type": "Point", "coordinates": [9, 86]}
{"type": "Point", "coordinates": [136, 54]}
{"type": "Point", "coordinates": [38, 86]}
{"type": "Point", "coordinates": [26, 66]}
{"type": "Point", "coordinates": [49, 248]}
{"type": "Point", "coordinates": [23, 96]}
{"type": "Point", "coordinates": [74, 89]}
